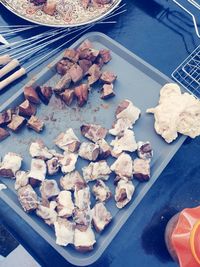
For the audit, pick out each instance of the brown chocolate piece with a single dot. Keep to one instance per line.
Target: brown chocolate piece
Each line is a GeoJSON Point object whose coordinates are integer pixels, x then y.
{"type": "Point", "coordinates": [68, 96]}
{"type": "Point", "coordinates": [63, 66]}
{"type": "Point", "coordinates": [85, 44]}
{"type": "Point", "coordinates": [99, 61]}
{"type": "Point", "coordinates": [105, 55]}
{"type": "Point", "coordinates": [107, 91]}
{"type": "Point", "coordinates": [34, 182]}
{"type": "Point", "coordinates": [31, 95]}
{"type": "Point", "coordinates": [35, 124]}
{"type": "Point", "coordinates": [76, 73]}
{"type": "Point", "coordinates": [27, 109]}
{"type": "Point", "coordinates": [44, 93]}
{"type": "Point", "coordinates": [95, 73]}
{"type": "Point", "coordinates": [3, 134]}
{"type": "Point", "coordinates": [72, 55]}
{"type": "Point", "coordinates": [16, 123]}
{"type": "Point", "coordinates": [81, 92]}
{"type": "Point", "coordinates": [63, 83]}
{"type": "Point", "coordinates": [49, 8]}
{"type": "Point", "coordinates": [122, 106]}
{"type": "Point", "coordinates": [145, 150]}
{"type": "Point", "coordinates": [5, 117]}
{"type": "Point", "coordinates": [108, 77]}
{"type": "Point", "coordinates": [85, 65]}
{"type": "Point", "coordinates": [89, 54]}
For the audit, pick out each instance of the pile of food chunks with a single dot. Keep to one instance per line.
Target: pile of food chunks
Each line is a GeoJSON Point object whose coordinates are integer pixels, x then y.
{"type": "Point", "coordinates": [67, 206]}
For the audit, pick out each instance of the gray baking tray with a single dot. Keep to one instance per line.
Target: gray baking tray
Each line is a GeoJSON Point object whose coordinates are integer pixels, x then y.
{"type": "Point", "coordinates": [137, 81]}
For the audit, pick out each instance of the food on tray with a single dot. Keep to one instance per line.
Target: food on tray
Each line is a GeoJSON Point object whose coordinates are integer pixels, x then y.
{"type": "Point", "coordinates": [101, 191]}
{"type": "Point", "coordinates": [21, 179]}
{"type": "Point", "coordinates": [5, 117]}
{"type": "Point", "coordinates": [176, 113]}
{"type": "Point", "coordinates": [3, 134]}
{"type": "Point", "coordinates": [27, 198]}
{"type": "Point", "coordinates": [10, 164]}
{"type": "Point", "coordinates": [63, 66]}
{"type": "Point", "coordinates": [141, 169]}
{"type": "Point", "coordinates": [81, 93]}
{"type": "Point", "coordinates": [64, 230]}
{"type": "Point", "coordinates": [38, 171]}
{"type": "Point", "coordinates": [105, 55]}
{"type": "Point", "coordinates": [82, 218]}
{"type": "Point", "coordinates": [127, 110]}
{"type": "Point", "coordinates": [68, 141]}
{"type": "Point", "coordinates": [35, 124]}
{"type": "Point", "coordinates": [71, 54]}
{"type": "Point", "coordinates": [82, 197]}
{"type": "Point", "coordinates": [144, 150]}
{"type": "Point", "coordinates": [53, 166]}
{"type": "Point", "coordinates": [119, 126]}
{"type": "Point", "coordinates": [84, 240]}
{"type": "Point", "coordinates": [47, 212]}
{"type": "Point", "coordinates": [93, 132]}
{"type": "Point", "coordinates": [105, 149]}
{"type": "Point", "coordinates": [76, 73]}
{"type": "Point", "coordinates": [85, 65]}
{"type": "Point", "coordinates": [96, 170]}
{"type": "Point", "coordinates": [125, 142]}
{"type": "Point", "coordinates": [38, 150]}
{"type": "Point", "coordinates": [67, 96]}
{"type": "Point", "coordinates": [71, 180]}
{"type": "Point", "coordinates": [108, 77]}
{"type": "Point", "coordinates": [123, 166]}
{"type": "Point", "coordinates": [27, 109]}
{"type": "Point", "coordinates": [68, 162]}
{"type": "Point", "coordinates": [94, 74]}
{"type": "Point", "coordinates": [65, 207]}
{"type": "Point", "coordinates": [31, 95]}
{"type": "Point", "coordinates": [107, 91]}
{"type": "Point", "coordinates": [16, 123]}
{"type": "Point", "coordinates": [63, 83]}
{"type": "Point", "coordinates": [49, 189]}
{"type": "Point", "coordinates": [44, 93]}
{"type": "Point", "coordinates": [101, 217]}
{"type": "Point", "coordinates": [124, 192]}
{"type": "Point", "coordinates": [89, 151]}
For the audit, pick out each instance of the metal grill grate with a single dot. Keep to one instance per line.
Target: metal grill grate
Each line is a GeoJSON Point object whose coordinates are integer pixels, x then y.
{"type": "Point", "coordinates": [188, 73]}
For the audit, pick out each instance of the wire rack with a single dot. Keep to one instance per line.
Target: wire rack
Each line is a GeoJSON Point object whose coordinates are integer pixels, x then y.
{"type": "Point", "coordinates": [188, 73]}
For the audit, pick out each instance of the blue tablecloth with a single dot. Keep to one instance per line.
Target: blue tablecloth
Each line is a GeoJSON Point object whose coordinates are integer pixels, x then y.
{"type": "Point", "coordinates": [157, 32]}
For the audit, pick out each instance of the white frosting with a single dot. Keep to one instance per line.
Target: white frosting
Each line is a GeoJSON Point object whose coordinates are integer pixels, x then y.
{"type": "Point", "coordinates": [65, 139]}
{"type": "Point", "coordinates": [68, 162]}
{"type": "Point", "coordinates": [11, 161]}
{"type": "Point", "coordinates": [38, 150]}
{"type": "Point", "coordinates": [65, 204]}
{"type": "Point", "coordinates": [123, 166]}
{"type": "Point", "coordinates": [64, 231]}
{"type": "Point", "coordinates": [84, 239]}
{"type": "Point", "coordinates": [38, 169]}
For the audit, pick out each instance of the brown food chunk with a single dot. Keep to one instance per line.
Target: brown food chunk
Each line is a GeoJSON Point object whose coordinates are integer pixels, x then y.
{"type": "Point", "coordinates": [85, 3]}
{"type": "Point", "coordinates": [85, 65]}
{"type": "Point", "coordinates": [3, 134]}
{"type": "Point", "coordinates": [101, 191]}
{"type": "Point", "coordinates": [27, 109]}
{"type": "Point", "coordinates": [89, 151]}
{"type": "Point", "coordinates": [44, 93]}
{"type": "Point", "coordinates": [76, 73]}
{"type": "Point", "coordinates": [105, 55]}
{"type": "Point", "coordinates": [141, 169]}
{"type": "Point", "coordinates": [99, 61]}
{"type": "Point", "coordinates": [82, 218]}
{"type": "Point", "coordinates": [101, 217]}
{"type": "Point", "coordinates": [108, 77]}
{"type": "Point", "coordinates": [145, 150]}
{"type": "Point", "coordinates": [34, 182]}
{"type": "Point", "coordinates": [16, 123]}
{"type": "Point", "coordinates": [53, 166]}
{"type": "Point", "coordinates": [63, 66]}
{"type": "Point", "coordinates": [89, 54]}
{"type": "Point", "coordinates": [85, 44]}
{"type": "Point", "coordinates": [63, 83]}
{"type": "Point", "coordinates": [95, 73]}
{"type": "Point", "coordinates": [107, 91]}
{"type": "Point", "coordinates": [5, 117]}
{"type": "Point", "coordinates": [28, 198]}
{"type": "Point", "coordinates": [31, 95]}
{"type": "Point", "coordinates": [50, 7]}
{"type": "Point", "coordinates": [68, 96]}
{"type": "Point", "coordinates": [81, 92]}
{"type": "Point", "coordinates": [49, 189]}
{"type": "Point", "coordinates": [105, 149]}
{"type": "Point", "coordinates": [72, 55]}
{"type": "Point", "coordinates": [35, 124]}
{"type": "Point", "coordinates": [93, 132]}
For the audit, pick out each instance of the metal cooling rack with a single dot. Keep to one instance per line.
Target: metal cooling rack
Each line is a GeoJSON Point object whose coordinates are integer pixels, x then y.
{"type": "Point", "coordinates": [188, 73]}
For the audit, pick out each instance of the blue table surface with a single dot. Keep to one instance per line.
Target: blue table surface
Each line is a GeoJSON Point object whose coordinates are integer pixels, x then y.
{"type": "Point", "coordinates": [160, 33]}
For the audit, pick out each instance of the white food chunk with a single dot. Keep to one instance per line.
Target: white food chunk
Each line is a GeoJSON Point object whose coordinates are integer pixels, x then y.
{"type": "Point", "coordinates": [141, 169]}
{"type": "Point", "coordinates": [120, 126]}
{"type": "Point", "coordinates": [38, 169]}
{"type": "Point", "coordinates": [48, 214]}
{"type": "Point", "coordinates": [126, 142]}
{"type": "Point", "coordinates": [64, 231]}
{"type": "Point", "coordinates": [27, 198]}
{"type": "Point", "coordinates": [84, 240]}
{"type": "Point", "coordinates": [123, 193]}
{"type": "Point", "coordinates": [123, 166]}
{"type": "Point", "coordinates": [68, 141]}
{"type": "Point", "coordinates": [38, 150]}
{"type": "Point", "coordinates": [21, 179]}
{"type": "Point", "coordinates": [65, 204]}
{"type": "Point", "coordinates": [10, 165]}
{"type": "Point", "coordinates": [68, 162]}
{"type": "Point", "coordinates": [72, 179]}
{"type": "Point", "coordinates": [82, 198]}
{"type": "Point", "coordinates": [89, 151]}
{"type": "Point", "coordinates": [100, 216]}
{"type": "Point", "coordinates": [105, 149]}
{"type": "Point", "coordinates": [82, 218]}
{"type": "Point", "coordinates": [101, 191]}
{"type": "Point", "coordinates": [49, 189]}
{"type": "Point", "coordinates": [127, 110]}
{"type": "Point", "coordinates": [96, 170]}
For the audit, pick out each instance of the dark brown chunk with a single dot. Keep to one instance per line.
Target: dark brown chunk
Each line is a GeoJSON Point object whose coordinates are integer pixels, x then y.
{"type": "Point", "coordinates": [89, 54]}
{"type": "Point", "coordinates": [122, 106]}
{"type": "Point", "coordinates": [16, 123]}
{"type": "Point", "coordinates": [105, 55]}
{"type": "Point", "coordinates": [3, 134]}
{"type": "Point", "coordinates": [81, 92]}
{"type": "Point", "coordinates": [85, 65]}
{"type": "Point", "coordinates": [5, 117]}
{"type": "Point", "coordinates": [76, 73]}
{"type": "Point", "coordinates": [108, 77]}
{"type": "Point", "coordinates": [95, 73]}
{"type": "Point", "coordinates": [44, 93]}
{"type": "Point", "coordinates": [68, 96]}
{"type": "Point", "coordinates": [31, 95]}
{"type": "Point", "coordinates": [35, 124]}
{"type": "Point", "coordinates": [27, 109]}
{"type": "Point", "coordinates": [85, 44]}
{"type": "Point", "coordinates": [107, 91]}
{"type": "Point", "coordinates": [34, 182]}
{"type": "Point", "coordinates": [141, 169]}
{"type": "Point", "coordinates": [63, 66]}
{"type": "Point", "coordinates": [99, 61]}
{"type": "Point", "coordinates": [72, 55]}
{"type": "Point", "coordinates": [63, 83]}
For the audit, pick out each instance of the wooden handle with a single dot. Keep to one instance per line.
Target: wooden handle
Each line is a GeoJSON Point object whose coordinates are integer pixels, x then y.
{"type": "Point", "coordinates": [5, 59]}
{"type": "Point", "coordinates": [9, 67]}
{"type": "Point", "coordinates": [19, 73]}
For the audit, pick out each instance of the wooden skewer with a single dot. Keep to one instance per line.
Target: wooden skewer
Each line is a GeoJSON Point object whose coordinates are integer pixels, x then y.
{"type": "Point", "coordinates": [9, 67]}
{"type": "Point", "coordinates": [16, 75]}
{"type": "Point", "coordinates": [5, 59]}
